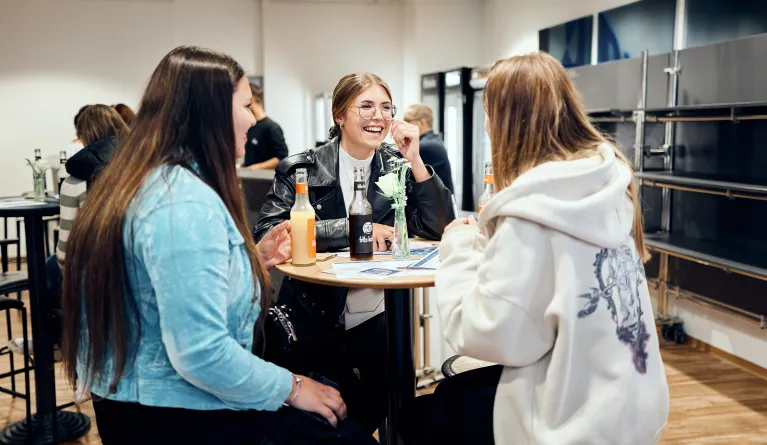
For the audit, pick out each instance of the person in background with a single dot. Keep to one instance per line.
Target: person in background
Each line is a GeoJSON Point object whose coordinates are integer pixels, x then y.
{"type": "Point", "coordinates": [126, 113]}
{"type": "Point", "coordinates": [550, 284]}
{"type": "Point", "coordinates": [341, 332]}
{"type": "Point", "coordinates": [433, 149]}
{"type": "Point", "coordinates": [163, 283]}
{"type": "Point", "coordinates": [266, 144]}
{"type": "Point", "coordinates": [76, 144]}
{"type": "Point", "coordinates": [100, 128]}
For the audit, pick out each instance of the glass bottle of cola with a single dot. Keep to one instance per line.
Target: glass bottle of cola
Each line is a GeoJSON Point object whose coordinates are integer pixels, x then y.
{"type": "Point", "coordinates": [489, 191]}
{"type": "Point", "coordinates": [360, 220]}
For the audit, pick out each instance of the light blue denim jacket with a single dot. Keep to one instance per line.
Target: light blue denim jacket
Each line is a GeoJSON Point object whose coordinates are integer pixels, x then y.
{"type": "Point", "coordinates": [190, 279]}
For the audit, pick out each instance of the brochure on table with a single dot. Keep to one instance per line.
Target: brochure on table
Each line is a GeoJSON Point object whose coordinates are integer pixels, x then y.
{"type": "Point", "coordinates": [381, 270]}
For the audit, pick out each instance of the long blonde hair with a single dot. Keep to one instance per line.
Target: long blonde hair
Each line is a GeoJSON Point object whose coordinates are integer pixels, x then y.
{"type": "Point", "coordinates": [536, 115]}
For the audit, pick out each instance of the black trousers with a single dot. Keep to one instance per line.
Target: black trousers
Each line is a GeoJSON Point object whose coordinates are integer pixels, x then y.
{"type": "Point", "coordinates": [355, 360]}
{"type": "Point", "coordinates": [131, 423]}
{"type": "Point", "coordinates": [459, 412]}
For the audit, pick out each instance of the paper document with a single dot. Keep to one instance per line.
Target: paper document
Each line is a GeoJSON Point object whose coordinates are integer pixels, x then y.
{"type": "Point", "coordinates": [416, 248]}
{"type": "Point", "coordinates": [430, 261]}
{"type": "Point", "coordinates": [376, 270]}
{"type": "Point", "coordinates": [20, 203]}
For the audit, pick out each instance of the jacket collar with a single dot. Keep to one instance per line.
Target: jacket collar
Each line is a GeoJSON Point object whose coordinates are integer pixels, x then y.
{"type": "Point", "coordinates": [325, 160]}
{"type": "Point", "coordinates": [89, 161]}
{"type": "Point", "coordinates": [429, 135]}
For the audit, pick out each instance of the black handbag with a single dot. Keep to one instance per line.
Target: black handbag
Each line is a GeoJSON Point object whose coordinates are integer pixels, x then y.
{"type": "Point", "coordinates": [277, 341]}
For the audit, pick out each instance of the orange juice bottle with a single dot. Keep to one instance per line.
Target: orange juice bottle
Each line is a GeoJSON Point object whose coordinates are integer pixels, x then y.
{"type": "Point", "coordinates": [302, 219]}
{"type": "Point", "coordinates": [489, 191]}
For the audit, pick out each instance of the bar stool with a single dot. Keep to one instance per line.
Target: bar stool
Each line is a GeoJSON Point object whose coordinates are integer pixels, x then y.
{"type": "Point", "coordinates": [5, 242]}
{"type": "Point", "coordinates": [7, 304]}
{"type": "Point", "coordinates": [47, 220]}
{"type": "Point", "coordinates": [18, 280]}
{"type": "Point", "coordinates": [458, 364]}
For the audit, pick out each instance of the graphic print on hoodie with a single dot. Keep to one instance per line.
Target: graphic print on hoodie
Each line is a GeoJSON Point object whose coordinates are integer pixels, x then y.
{"type": "Point", "coordinates": [620, 274]}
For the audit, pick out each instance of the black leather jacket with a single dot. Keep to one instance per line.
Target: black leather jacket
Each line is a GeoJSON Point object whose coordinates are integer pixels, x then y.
{"type": "Point", "coordinates": [429, 209]}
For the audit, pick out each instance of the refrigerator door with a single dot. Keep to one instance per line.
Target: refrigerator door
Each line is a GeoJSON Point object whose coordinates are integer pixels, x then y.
{"type": "Point", "coordinates": [431, 100]}
{"type": "Point", "coordinates": [454, 140]}
{"type": "Point", "coordinates": [481, 145]}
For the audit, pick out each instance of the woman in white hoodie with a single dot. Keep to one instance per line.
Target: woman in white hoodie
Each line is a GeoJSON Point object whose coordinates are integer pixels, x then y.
{"type": "Point", "coordinates": [550, 284]}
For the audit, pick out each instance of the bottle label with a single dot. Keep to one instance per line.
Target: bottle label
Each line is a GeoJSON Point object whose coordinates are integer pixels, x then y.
{"type": "Point", "coordinates": [311, 237]}
{"type": "Point", "coordinates": [361, 234]}
{"type": "Point", "coordinates": [302, 189]}
{"type": "Point", "coordinates": [489, 179]}
{"type": "Point", "coordinates": [359, 186]}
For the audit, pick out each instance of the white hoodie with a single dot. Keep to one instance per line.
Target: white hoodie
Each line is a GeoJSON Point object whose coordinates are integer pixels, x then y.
{"type": "Point", "coordinates": [558, 296]}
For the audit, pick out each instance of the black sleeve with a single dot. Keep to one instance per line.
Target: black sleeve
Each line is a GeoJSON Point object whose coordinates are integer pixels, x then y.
{"type": "Point", "coordinates": [429, 208]}
{"type": "Point", "coordinates": [279, 149]}
{"type": "Point", "coordinates": [436, 157]}
{"type": "Point", "coordinates": [331, 234]}
{"type": "Point", "coordinates": [276, 207]}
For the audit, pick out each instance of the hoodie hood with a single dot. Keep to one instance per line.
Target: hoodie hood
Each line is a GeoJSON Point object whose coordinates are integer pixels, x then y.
{"type": "Point", "coordinates": [87, 163]}
{"type": "Point", "coordinates": [584, 198]}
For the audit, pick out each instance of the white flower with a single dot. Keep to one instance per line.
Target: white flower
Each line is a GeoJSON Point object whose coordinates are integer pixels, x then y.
{"type": "Point", "coordinates": [39, 167]}
{"type": "Point", "coordinates": [389, 183]}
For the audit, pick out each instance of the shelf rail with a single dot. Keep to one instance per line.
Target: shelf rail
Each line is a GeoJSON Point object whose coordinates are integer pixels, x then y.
{"type": "Point", "coordinates": [709, 303]}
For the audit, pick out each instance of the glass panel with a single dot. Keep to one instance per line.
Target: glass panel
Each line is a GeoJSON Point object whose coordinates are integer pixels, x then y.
{"type": "Point", "coordinates": [431, 100]}
{"type": "Point", "coordinates": [713, 21]}
{"type": "Point", "coordinates": [569, 42]}
{"type": "Point", "coordinates": [453, 140]}
{"type": "Point", "coordinates": [480, 145]}
{"type": "Point", "coordinates": [625, 32]}
{"type": "Point", "coordinates": [320, 132]}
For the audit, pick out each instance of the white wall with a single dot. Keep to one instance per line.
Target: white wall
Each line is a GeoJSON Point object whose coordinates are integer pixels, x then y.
{"type": "Point", "coordinates": [445, 34]}
{"type": "Point", "coordinates": [308, 47]}
{"type": "Point", "coordinates": [66, 53]}
{"type": "Point", "coordinates": [723, 331]}
{"type": "Point", "coordinates": [58, 55]}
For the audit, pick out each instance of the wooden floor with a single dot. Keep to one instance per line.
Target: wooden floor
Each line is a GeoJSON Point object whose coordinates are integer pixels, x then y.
{"type": "Point", "coordinates": [712, 401]}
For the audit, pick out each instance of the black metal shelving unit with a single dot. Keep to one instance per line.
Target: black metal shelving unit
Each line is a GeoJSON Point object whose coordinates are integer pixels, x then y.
{"type": "Point", "coordinates": [751, 263]}
{"type": "Point", "coordinates": [703, 184]}
{"type": "Point", "coordinates": [655, 166]}
{"type": "Point", "coordinates": [723, 256]}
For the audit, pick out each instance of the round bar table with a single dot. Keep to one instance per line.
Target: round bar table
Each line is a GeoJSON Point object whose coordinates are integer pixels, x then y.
{"type": "Point", "coordinates": [398, 298]}
{"type": "Point", "coordinates": [48, 425]}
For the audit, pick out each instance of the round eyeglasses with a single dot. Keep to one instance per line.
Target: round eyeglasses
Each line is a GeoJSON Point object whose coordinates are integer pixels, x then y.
{"type": "Point", "coordinates": [368, 111]}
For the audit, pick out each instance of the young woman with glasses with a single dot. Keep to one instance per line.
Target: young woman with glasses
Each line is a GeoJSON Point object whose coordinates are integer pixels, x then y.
{"type": "Point", "coordinates": [341, 331]}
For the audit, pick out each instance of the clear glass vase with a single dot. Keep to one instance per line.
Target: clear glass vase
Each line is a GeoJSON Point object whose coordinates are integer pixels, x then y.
{"type": "Point", "coordinates": [39, 186]}
{"type": "Point", "coordinates": [400, 247]}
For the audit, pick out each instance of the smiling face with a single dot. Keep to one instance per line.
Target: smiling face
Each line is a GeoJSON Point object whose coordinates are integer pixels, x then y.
{"type": "Point", "coordinates": [361, 132]}
{"type": "Point", "coordinates": [242, 115]}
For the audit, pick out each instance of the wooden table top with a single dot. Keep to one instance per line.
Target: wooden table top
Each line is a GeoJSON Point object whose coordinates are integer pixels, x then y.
{"type": "Point", "coordinates": [314, 274]}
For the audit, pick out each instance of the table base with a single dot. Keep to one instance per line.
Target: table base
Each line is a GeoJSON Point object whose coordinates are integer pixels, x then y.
{"type": "Point", "coordinates": [70, 426]}
{"type": "Point", "coordinates": [399, 351]}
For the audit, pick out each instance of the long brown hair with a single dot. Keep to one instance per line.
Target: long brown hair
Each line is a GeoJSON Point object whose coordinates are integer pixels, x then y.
{"type": "Point", "coordinates": [536, 115]}
{"type": "Point", "coordinates": [185, 118]}
{"type": "Point", "coordinates": [349, 87]}
{"type": "Point", "coordinates": [125, 113]}
{"type": "Point", "coordinates": [98, 122]}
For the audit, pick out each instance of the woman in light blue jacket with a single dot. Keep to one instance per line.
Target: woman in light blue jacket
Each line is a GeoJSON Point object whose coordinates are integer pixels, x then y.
{"type": "Point", "coordinates": [163, 283]}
